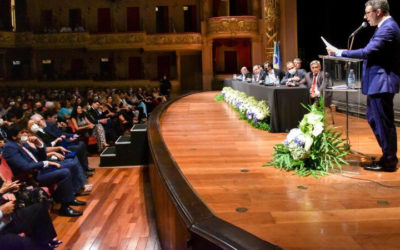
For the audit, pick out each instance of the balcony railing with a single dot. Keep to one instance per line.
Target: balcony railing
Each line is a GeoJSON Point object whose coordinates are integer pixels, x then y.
{"type": "Point", "coordinates": [227, 26]}
{"type": "Point", "coordinates": [129, 40]}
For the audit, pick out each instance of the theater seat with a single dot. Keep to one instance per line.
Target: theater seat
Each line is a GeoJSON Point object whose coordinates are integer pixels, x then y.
{"type": "Point", "coordinates": [7, 175]}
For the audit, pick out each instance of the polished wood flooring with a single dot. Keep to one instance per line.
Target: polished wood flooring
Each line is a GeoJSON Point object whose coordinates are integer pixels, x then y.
{"type": "Point", "coordinates": [118, 215]}
{"type": "Point", "coordinates": [222, 159]}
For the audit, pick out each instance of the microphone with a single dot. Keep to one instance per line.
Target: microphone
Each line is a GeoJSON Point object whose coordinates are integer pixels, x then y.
{"type": "Point", "coordinates": [362, 26]}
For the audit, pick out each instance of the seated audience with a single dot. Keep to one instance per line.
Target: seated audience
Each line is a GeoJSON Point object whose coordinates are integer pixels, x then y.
{"type": "Point", "coordinates": [47, 173]}
{"type": "Point", "coordinates": [293, 77]}
{"type": "Point", "coordinates": [33, 221]}
{"type": "Point", "coordinates": [85, 128]}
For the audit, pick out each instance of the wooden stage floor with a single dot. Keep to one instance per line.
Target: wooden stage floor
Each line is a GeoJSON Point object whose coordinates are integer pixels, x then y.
{"type": "Point", "coordinates": [354, 209]}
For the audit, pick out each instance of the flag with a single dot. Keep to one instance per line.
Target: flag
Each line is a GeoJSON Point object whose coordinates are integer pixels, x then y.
{"type": "Point", "coordinates": [277, 55]}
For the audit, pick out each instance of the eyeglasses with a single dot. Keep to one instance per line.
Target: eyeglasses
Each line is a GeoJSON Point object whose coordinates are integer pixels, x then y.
{"type": "Point", "coordinates": [369, 12]}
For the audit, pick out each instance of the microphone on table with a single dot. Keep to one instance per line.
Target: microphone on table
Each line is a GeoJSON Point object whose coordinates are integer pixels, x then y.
{"type": "Point", "coordinates": [362, 26]}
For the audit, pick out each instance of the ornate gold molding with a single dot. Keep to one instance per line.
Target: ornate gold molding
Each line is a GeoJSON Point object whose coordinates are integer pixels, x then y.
{"type": "Point", "coordinates": [7, 39]}
{"type": "Point", "coordinates": [60, 40]}
{"type": "Point", "coordinates": [170, 39]}
{"type": "Point", "coordinates": [102, 41]}
{"type": "Point", "coordinates": [116, 40]}
{"type": "Point", "coordinates": [272, 25]}
{"type": "Point", "coordinates": [232, 26]}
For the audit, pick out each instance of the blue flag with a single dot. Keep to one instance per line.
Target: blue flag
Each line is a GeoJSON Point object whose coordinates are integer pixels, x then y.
{"type": "Point", "coordinates": [277, 55]}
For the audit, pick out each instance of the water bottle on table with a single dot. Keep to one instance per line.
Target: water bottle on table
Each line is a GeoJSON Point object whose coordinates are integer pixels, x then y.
{"type": "Point", "coordinates": [351, 79]}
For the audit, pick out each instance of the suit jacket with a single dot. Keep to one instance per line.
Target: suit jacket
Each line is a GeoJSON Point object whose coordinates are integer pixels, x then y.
{"type": "Point", "coordinates": [278, 73]}
{"type": "Point", "coordinates": [45, 137]}
{"type": "Point", "coordinates": [300, 73]}
{"type": "Point", "coordinates": [381, 67]}
{"type": "Point", "coordinates": [94, 116]}
{"type": "Point", "coordinates": [19, 160]}
{"type": "Point", "coordinates": [247, 75]}
{"type": "Point", "coordinates": [54, 131]}
{"type": "Point", "coordinates": [321, 85]}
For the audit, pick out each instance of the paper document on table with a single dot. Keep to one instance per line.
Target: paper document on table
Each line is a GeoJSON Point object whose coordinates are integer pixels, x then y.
{"type": "Point", "coordinates": [328, 45]}
{"type": "Point", "coordinates": [343, 86]}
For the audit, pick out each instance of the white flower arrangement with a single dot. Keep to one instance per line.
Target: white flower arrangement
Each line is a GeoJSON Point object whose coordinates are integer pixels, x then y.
{"type": "Point", "coordinates": [311, 149]}
{"type": "Point", "coordinates": [256, 112]}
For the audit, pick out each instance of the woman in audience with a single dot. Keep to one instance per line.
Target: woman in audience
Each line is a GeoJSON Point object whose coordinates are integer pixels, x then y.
{"type": "Point", "coordinates": [65, 112]}
{"type": "Point", "coordinates": [85, 128]}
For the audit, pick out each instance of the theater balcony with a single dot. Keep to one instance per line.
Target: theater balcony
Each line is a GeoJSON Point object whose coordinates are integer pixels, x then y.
{"type": "Point", "coordinates": [103, 41]}
{"type": "Point", "coordinates": [174, 41]}
{"type": "Point", "coordinates": [233, 26]}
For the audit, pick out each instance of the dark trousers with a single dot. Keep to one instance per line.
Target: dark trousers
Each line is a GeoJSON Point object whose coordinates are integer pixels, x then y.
{"type": "Point", "coordinates": [78, 176]}
{"type": "Point", "coordinates": [60, 176]}
{"type": "Point", "coordinates": [35, 222]}
{"type": "Point", "coordinates": [380, 116]}
{"type": "Point", "coordinates": [81, 152]}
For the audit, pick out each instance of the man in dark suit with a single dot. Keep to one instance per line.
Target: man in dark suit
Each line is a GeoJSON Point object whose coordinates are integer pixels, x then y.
{"type": "Point", "coordinates": [293, 77]}
{"type": "Point", "coordinates": [70, 141]}
{"type": "Point", "coordinates": [316, 83]}
{"type": "Point", "coordinates": [22, 161]}
{"type": "Point", "coordinates": [273, 74]}
{"type": "Point", "coordinates": [244, 74]}
{"type": "Point", "coordinates": [380, 81]}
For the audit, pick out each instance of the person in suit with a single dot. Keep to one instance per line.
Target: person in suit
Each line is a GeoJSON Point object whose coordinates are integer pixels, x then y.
{"type": "Point", "coordinates": [97, 117]}
{"type": "Point", "coordinates": [273, 74]}
{"type": "Point", "coordinates": [257, 73]}
{"type": "Point", "coordinates": [316, 83]}
{"type": "Point", "coordinates": [245, 75]}
{"type": "Point", "coordinates": [380, 79]}
{"type": "Point", "coordinates": [69, 141]}
{"type": "Point", "coordinates": [298, 63]}
{"type": "Point", "coordinates": [293, 77]}
{"type": "Point", "coordinates": [22, 161]}
{"type": "Point", "coordinates": [34, 221]}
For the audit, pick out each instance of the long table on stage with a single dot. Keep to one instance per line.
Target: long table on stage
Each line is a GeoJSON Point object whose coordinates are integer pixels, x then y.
{"type": "Point", "coordinates": [284, 102]}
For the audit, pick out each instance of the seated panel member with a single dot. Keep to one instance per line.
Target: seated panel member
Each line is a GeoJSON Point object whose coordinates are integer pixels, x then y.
{"type": "Point", "coordinates": [257, 73]}
{"type": "Point", "coordinates": [316, 84]}
{"type": "Point", "coordinates": [272, 73]}
{"type": "Point", "coordinates": [245, 75]}
{"type": "Point", "coordinates": [293, 77]}
{"type": "Point", "coordinates": [298, 63]}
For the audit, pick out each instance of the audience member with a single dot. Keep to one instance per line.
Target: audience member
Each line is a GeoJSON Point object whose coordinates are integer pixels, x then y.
{"type": "Point", "coordinates": [22, 162]}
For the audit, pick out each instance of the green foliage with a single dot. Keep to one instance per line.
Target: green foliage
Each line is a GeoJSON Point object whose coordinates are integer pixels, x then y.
{"type": "Point", "coordinates": [219, 97]}
{"type": "Point", "coordinates": [326, 153]}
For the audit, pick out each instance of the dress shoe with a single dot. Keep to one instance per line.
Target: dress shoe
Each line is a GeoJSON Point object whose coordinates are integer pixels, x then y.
{"type": "Point", "coordinates": [89, 174]}
{"type": "Point", "coordinates": [77, 203]}
{"type": "Point", "coordinates": [380, 167]}
{"type": "Point", "coordinates": [89, 169]}
{"type": "Point", "coordinates": [68, 211]}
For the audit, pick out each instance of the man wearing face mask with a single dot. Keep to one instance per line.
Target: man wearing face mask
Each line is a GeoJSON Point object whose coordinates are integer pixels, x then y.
{"type": "Point", "coordinates": [38, 125]}
{"type": "Point", "coordinates": [22, 161]}
{"type": "Point", "coordinates": [293, 77]}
